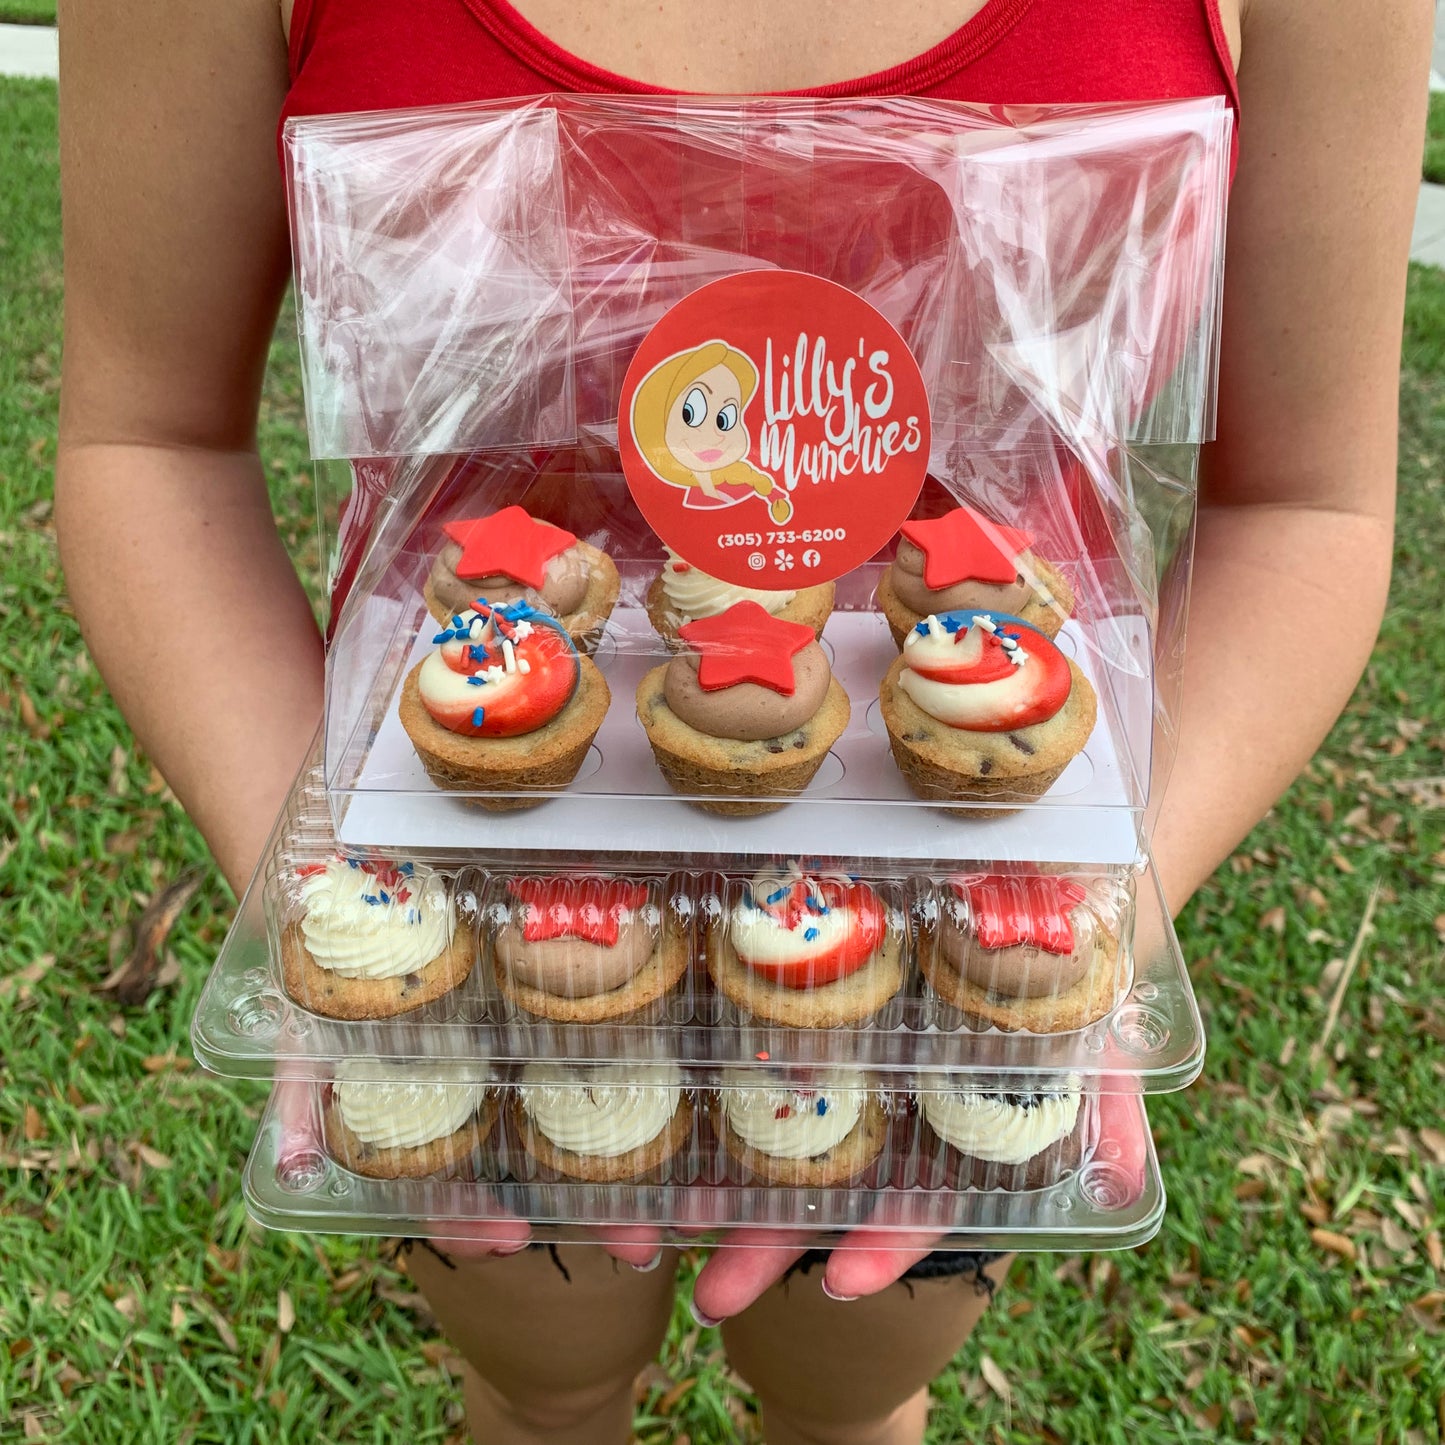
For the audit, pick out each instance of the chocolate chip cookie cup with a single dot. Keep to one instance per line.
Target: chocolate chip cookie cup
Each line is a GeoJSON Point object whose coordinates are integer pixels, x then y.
{"type": "Point", "coordinates": [982, 709]}
{"type": "Point", "coordinates": [828, 1129]}
{"type": "Point", "coordinates": [747, 712]}
{"type": "Point", "coordinates": [587, 949]}
{"type": "Point", "coordinates": [1007, 1141]}
{"type": "Point", "coordinates": [408, 1121]}
{"type": "Point", "coordinates": [505, 705]}
{"type": "Point", "coordinates": [963, 562]}
{"type": "Point", "coordinates": [682, 593]}
{"type": "Point", "coordinates": [1024, 951]}
{"type": "Point", "coordinates": [806, 951]}
{"type": "Point", "coordinates": [367, 940]}
{"type": "Point", "coordinates": [509, 556]}
{"type": "Point", "coordinates": [601, 1124]}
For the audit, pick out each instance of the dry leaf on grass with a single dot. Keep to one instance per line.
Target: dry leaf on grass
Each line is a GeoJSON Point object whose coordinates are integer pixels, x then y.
{"type": "Point", "coordinates": [24, 979]}
{"type": "Point", "coordinates": [651, 1377]}
{"type": "Point", "coordinates": [219, 1323]}
{"type": "Point", "coordinates": [995, 1379]}
{"type": "Point", "coordinates": [135, 980]}
{"type": "Point", "coordinates": [1434, 1141]}
{"type": "Point", "coordinates": [1337, 999]}
{"type": "Point", "coordinates": [1339, 1244]}
{"type": "Point", "coordinates": [1395, 1238]}
{"type": "Point", "coordinates": [285, 1312]}
{"type": "Point", "coordinates": [164, 1063]}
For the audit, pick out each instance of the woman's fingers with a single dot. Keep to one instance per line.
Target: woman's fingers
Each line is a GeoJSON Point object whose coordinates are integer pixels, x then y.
{"type": "Point", "coordinates": [745, 1264]}
{"type": "Point", "coordinates": [870, 1260]}
{"type": "Point", "coordinates": [636, 1244]}
{"type": "Point", "coordinates": [481, 1238]}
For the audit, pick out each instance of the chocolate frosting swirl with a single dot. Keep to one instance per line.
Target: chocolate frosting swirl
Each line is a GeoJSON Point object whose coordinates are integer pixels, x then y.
{"type": "Point", "coordinates": [915, 594]}
{"type": "Point", "coordinates": [564, 584]}
{"type": "Point", "coordinates": [572, 967]}
{"type": "Point", "coordinates": [1021, 970]}
{"type": "Point", "coordinates": [747, 711]}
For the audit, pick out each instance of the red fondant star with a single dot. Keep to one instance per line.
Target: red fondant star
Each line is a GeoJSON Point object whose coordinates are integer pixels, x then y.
{"type": "Point", "coordinates": [590, 909]}
{"type": "Point", "coordinates": [746, 644]}
{"type": "Point", "coordinates": [963, 546]}
{"type": "Point", "coordinates": [509, 543]}
{"type": "Point", "coordinates": [1032, 909]}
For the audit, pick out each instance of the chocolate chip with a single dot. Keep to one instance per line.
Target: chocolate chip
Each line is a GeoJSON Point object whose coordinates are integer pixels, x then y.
{"type": "Point", "coordinates": [800, 741]}
{"type": "Point", "coordinates": [410, 982]}
{"type": "Point", "coordinates": [774, 746]}
{"type": "Point", "coordinates": [1020, 744]}
{"type": "Point", "coordinates": [985, 767]}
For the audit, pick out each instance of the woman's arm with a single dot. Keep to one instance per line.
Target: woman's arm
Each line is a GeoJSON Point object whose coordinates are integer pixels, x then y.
{"type": "Point", "coordinates": [176, 258]}
{"type": "Point", "coordinates": [1292, 560]}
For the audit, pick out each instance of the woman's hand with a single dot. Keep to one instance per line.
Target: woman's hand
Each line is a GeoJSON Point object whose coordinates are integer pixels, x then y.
{"type": "Point", "coordinates": [869, 1259]}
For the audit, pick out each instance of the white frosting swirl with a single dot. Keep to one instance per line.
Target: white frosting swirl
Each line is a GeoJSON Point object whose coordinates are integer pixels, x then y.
{"type": "Point", "coordinates": [692, 593]}
{"type": "Point", "coordinates": [386, 1106]}
{"type": "Point", "coordinates": [971, 704]}
{"type": "Point", "coordinates": [385, 938]}
{"type": "Point", "coordinates": [793, 1123]}
{"type": "Point", "coordinates": [998, 1130]}
{"type": "Point", "coordinates": [764, 939]}
{"type": "Point", "coordinates": [578, 1111]}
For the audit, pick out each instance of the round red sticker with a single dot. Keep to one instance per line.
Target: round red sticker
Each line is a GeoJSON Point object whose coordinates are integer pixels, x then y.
{"type": "Point", "coordinates": [774, 429]}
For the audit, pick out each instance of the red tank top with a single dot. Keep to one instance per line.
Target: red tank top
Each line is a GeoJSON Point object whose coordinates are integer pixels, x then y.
{"type": "Point", "coordinates": [384, 54]}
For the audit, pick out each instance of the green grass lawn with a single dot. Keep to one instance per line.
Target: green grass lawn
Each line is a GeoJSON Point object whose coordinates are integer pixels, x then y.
{"type": "Point", "coordinates": [1434, 169]}
{"type": "Point", "coordinates": [27, 12]}
{"type": "Point", "coordinates": [1297, 1291]}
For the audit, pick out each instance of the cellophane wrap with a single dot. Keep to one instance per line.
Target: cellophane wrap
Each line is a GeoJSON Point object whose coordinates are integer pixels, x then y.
{"type": "Point", "coordinates": [472, 283]}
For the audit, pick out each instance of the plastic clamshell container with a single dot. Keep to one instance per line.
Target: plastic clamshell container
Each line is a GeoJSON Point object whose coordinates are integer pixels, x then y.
{"type": "Point", "coordinates": [1098, 1187]}
{"type": "Point", "coordinates": [258, 1016]}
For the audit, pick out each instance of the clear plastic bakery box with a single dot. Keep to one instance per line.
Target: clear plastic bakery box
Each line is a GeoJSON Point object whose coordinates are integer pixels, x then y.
{"type": "Point", "coordinates": [1042, 972]}
{"type": "Point", "coordinates": [962, 359]}
{"type": "Point", "coordinates": [631, 1153]}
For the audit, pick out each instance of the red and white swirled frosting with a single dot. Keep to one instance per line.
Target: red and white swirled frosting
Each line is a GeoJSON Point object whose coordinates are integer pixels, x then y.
{"type": "Point", "coordinates": [499, 672]}
{"type": "Point", "coordinates": [984, 671]}
{"type": "Point", "coordinates": [801, 931]}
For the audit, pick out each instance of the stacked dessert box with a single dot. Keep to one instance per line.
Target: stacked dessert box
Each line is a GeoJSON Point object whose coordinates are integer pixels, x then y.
{"type": "Point", "coordinates": [622, 894]}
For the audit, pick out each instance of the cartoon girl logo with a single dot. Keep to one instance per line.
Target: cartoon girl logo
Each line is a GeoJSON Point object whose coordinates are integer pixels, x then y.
{"type": "Point", "coordinates": [687, 418]}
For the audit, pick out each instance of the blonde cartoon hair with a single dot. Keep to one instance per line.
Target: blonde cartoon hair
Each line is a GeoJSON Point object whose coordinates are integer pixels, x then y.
{"type": "Point", "coordinates": [658, 394]}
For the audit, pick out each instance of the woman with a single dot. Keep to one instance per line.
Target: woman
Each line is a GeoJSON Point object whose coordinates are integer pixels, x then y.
{"type": "Point", "coordinates": [176, 259]}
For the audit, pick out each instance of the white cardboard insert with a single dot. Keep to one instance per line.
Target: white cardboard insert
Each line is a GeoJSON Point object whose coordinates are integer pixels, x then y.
{"type": "Point", "coordinates": [620, 802]}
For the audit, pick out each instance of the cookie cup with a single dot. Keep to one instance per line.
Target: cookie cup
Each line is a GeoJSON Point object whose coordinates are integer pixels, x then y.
{"type": "Point", "coordinates": [1057, 1013]}
{"type": "Point", "coordinates": [586, 623]}
{"type": "Point", "coordinates": [852, 1156]}
{"type": "Point", "coordinates": [851, 999]}
{"type": "Point", "coordinates": [736, 773]}
{"type": "Point", "coordinates": [943, 1165]}
{"type": "Point", "coordinates": [646, 1159]}
{"type": "Point", "coordinates": [545, 759]}
{"type": "Point", "coordinates": [1047, 617]}
{"type": "Point", "coordinates": [959, 765]}
{"type": "Point", "coordinates": [326, 992]}
{"type": "Point", "coordinates": [650, 983]}
{"type": "Point", "coordinates": [452, 1156]}
{"type": "Point", "coordinates": [812, 606]}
